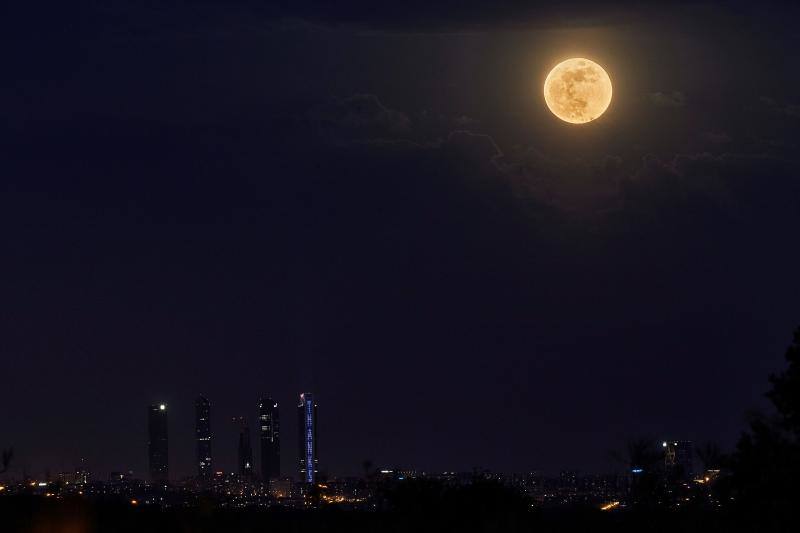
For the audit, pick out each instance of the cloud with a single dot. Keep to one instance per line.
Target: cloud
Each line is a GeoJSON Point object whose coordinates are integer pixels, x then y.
{"type": "Point", "coordinates": [360, 116]}
{"type": "Point", "coordinates": [715, 137]}
{"type": "Point", "coordinates": [364, 119]}
{"type": "Point", "coordinates": [430, 124]}
{"type": "Point", "coordinates": [782, 108]}
{"type": "Point", "coordinates": [444, 16]}
{"type": "Point", "coordinates": [431, 146]}
{"type": "Point", "coordinates": [674, 99]}
{"type": "Point", "coordinates": [455, 15]}
{"type": "Point", "coordinates": [483, 15]}
{"type": "Point", "coordinates": [476, 146]}
{"type": "Point", "coordinates": [702, 186]}
{"type": "Point", "coordinates": [691, 186]}
{"type": "Point", "coordinates": [363, 122]}
{"type": "Point", "coordinates": [464, 121]}
{"type": "Point", "coordinates": [578, 186]}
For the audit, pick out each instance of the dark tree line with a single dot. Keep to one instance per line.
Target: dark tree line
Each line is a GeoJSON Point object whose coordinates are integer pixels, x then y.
{"type": "Point", "coordinates": [8, 454]}
{"type": "Point", "coordinates": [765, 467]}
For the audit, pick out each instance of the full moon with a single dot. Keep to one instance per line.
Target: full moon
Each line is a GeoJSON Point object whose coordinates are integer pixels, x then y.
{"type": "Point", "coordinates": [577, 90]}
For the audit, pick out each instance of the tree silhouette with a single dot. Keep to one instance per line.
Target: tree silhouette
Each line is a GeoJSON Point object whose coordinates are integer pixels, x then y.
{"type": "Point", "coordinates": [8, 454]}
{"type": "Point", "coordinates": [766, 464]}
{"type": "Point", "coordinates": [642, 458]}
{"type": "Point", "coordinates": [482, 505]}
{"type": "Point", "coordinates": [785, 393]}
{"type": "Point", "coordinates": [711, 456]}
{"type": "Point", "coordinates": [715, 480]}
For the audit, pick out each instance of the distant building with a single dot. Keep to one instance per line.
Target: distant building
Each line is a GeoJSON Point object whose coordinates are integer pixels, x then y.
{"type": "Point", "coordinates": [203, 435]}
{"type": "Point", "coordinates": [281, 488]}
{"type": "Point", "coordinates": [270, 437]}
{"type": "Point", "coordinates": [679, 459]}
{"type": "Point", "coordinates": [307, 437]}
{"type": "Point", "coordinates": [157, 444]}
{"type": "Point", "coordinates": [245, 450]}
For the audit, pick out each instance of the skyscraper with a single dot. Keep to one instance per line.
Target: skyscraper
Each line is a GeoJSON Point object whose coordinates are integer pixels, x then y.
{"type": "Point", "coordinates": [203, 435]}
{"type": "Point", "coordinates": [157, 444]}
{"type": "Point", "coordinates": [245, 450]}
{"type": "Point", "coordinates": [679, 459]}
{"type": "Point", "coordinates": [307, 437]}
{"type": "Point", "coordinates": [269, 431]}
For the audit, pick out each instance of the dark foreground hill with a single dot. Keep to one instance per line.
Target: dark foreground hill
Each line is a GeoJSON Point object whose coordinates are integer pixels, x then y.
{"type": "Point", "coordinates": [40, 515]}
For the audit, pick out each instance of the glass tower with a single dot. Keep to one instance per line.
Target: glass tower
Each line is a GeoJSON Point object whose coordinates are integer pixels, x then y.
{"type": "Point", "coordinates": [157, 443]}
{"type": "Point", "coordinates": [270, 436]}
{"type": "Point", "coordinates": [307, 437]}
{"type": "Point", "coordinates": [203, 435]}
{"type": "Point", "coordinates": [245, 451]}
{"type": "Point", "coordinates": [679, 459]}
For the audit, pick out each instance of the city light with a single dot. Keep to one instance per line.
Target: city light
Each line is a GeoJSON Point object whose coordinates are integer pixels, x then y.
{"type": "Point", "coordinates": [241, 490]}
{"type": "Point", "coordinates": [609, 506]}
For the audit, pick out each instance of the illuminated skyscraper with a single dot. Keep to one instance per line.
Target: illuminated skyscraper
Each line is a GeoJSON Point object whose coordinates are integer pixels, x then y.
{"type": "Point", "coordinates": [157, 444]}
{"type": "Point", "coordinates": [679, 459]}
{"type": "Point", "coordinates": [269, 432]}
{"type": "Point", "coordinates": [203, 435]}
{"type": "Point", "coordinates": [307, 437]}
{"type": "Point", "coordinates": [245, 451]}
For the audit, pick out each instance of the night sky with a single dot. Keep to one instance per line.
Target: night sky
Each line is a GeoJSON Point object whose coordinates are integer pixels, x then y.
{"type": "Point", "coordinates": [373, 203]}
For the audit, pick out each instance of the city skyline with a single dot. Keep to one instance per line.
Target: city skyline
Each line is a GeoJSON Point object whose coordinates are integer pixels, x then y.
{"type": "Point", "coordinates": [378, 205]}
{"type": "Point", "coordinates": [268, 432]}
{"type": "Point", "coordinates": [678, 455]}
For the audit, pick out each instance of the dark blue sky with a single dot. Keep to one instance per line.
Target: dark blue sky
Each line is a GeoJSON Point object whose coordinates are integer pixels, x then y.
{"type": "Point", "coordinates": [236, 199]}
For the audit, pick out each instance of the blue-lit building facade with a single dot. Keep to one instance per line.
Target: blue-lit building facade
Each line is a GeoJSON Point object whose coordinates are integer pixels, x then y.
{"type": "Point", "coordinates": [203, 436]}
{"type": "Point", "coordinates": [307, 438]}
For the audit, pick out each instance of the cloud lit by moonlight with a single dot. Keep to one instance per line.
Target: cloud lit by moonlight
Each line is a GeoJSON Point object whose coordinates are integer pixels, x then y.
{"type": "Point", "coordinates": [577, 90]}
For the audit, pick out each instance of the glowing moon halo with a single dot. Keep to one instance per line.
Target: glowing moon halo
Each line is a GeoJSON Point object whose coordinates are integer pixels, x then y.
{"type": "Point", "coordinates": [577, 90]}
